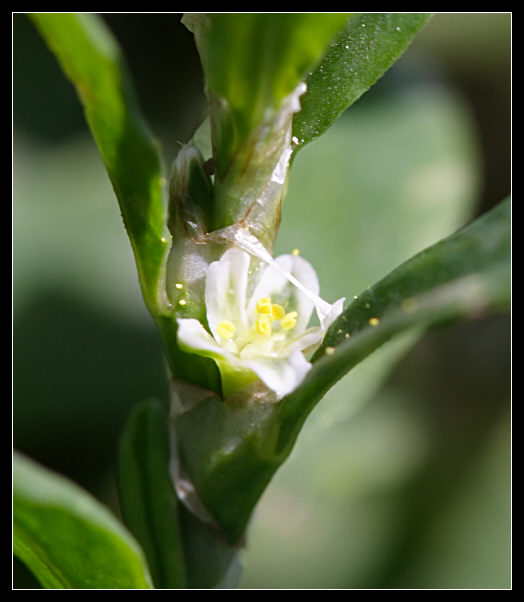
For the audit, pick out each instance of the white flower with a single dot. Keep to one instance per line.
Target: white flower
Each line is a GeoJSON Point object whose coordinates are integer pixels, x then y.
{"type": "Point", "coordinates": [259, 321]}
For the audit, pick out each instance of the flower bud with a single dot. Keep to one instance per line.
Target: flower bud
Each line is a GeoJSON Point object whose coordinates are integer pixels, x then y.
{"type": "Point", "coordinates": [189, 210]}
{"type": "Point", "coordinates": [190, 195]}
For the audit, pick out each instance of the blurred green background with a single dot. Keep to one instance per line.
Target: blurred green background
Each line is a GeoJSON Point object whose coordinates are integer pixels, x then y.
{"type": "Point", "coordinates": [401, 478]}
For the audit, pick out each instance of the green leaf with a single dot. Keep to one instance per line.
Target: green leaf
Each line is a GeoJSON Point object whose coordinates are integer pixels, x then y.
{"type": "Point", "coordinates": [358, 56]}
{"type": "Point", "coordinates": [252, 61]}
{"type": "Point", "coordinates": [181, 549]}
{"type": "Point", "coordinates": [462, 276]}
{"type": "Point", "coordinates": [91, 59]}
{"type": "Point", "coordinates": [420, 138]}
{"type": "Point", "coordinates": [254, 66]}
{"type": "Point", "coordinates": [148, 500]}
{"type": "Point", "coordinates": [67, 538]}
{"type": "Point", "coordinates": [231, 451]}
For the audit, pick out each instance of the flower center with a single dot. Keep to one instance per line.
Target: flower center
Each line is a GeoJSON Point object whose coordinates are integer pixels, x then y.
{"type": "Point", "coordinates": [267, 313]}
{"type": "Point", "coordinates": [273, 312]}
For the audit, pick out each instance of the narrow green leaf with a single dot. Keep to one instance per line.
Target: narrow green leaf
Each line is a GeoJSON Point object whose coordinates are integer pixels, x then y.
{"type": "Point", "coordinates": [148, 500]}
{"type": "Point", "coordinates": [182, 550]}
{"type": "Point", "coordinates": [68, 539]}
{"type": "Point", "coordinates": [420, 139]}
{"type": "Point", "coordinates": [91, 59]}
{"type": "Point", "coordinates": [464, 275]}
{"type": "Point", "coordinates": [254, 66]}
{"type": "Point", "coordinates": [252, 61]}
{"type": "Point", "coordinates": [358, 56]}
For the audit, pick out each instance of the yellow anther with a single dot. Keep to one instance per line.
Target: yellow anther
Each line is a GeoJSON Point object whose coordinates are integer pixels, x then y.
{"type": "Point", "coordinates": [330, 350]}
{"type": "Point", "coordinates": [374, 321]}
{"type": "Point", "coordinates": [289, 321]}
{"type": "Point", "coordinates": [277, 311]}
{"type": "Point", "coordinates": [179, 285]}
{"type": "Point", "coordinates": [295, 252]}
{"type": "Point", "coordinates": [225, 329]}
{"type": "Point", "coordinates": [263, 326]}
{"type": "Point", "coordinates": [182, 302]}
{"type": "Point", "coordinates": [264, 305]}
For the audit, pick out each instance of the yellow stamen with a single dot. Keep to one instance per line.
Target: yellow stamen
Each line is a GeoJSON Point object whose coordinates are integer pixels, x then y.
{"type": "Point", "coordinates": [373, 321]}
{"type": "Point", "coordinates": [182, 302]}
{"type": "Point", "coordinates": [264, 305]}
{"type": "Point", "coordinates": [263, 326]}
{"type": "Point", "coordinates": [179, 285]}
{"type": "Point", "coordinates": [277, 311]}
{"type": "Point", "coordinates": [225, 329]}
{"type": "Point", "coordinates": [288, 322]}
{"type": "Point", "coordinates": [295, 252]}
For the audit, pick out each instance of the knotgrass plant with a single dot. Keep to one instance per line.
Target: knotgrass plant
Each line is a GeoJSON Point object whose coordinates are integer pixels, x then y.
{"type": "Point", "coordinates": [246, 365]}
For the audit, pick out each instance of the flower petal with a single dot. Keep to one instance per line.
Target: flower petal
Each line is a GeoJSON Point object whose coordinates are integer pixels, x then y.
{"type": "Point", "coordinates": [194, 338]}
{"type": "Point", "coordinates": [275, 283]}
{"type": "Point", "coordinates": [281, 375]}
{"type": "Point", "coordinates": [307, 340]}
{"type": "Point", "coordinates": [226, 286]}
{"type": "Point", "coordinates": [311, 338]}
{"type": "Point", "coordinates": [326, 319]}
